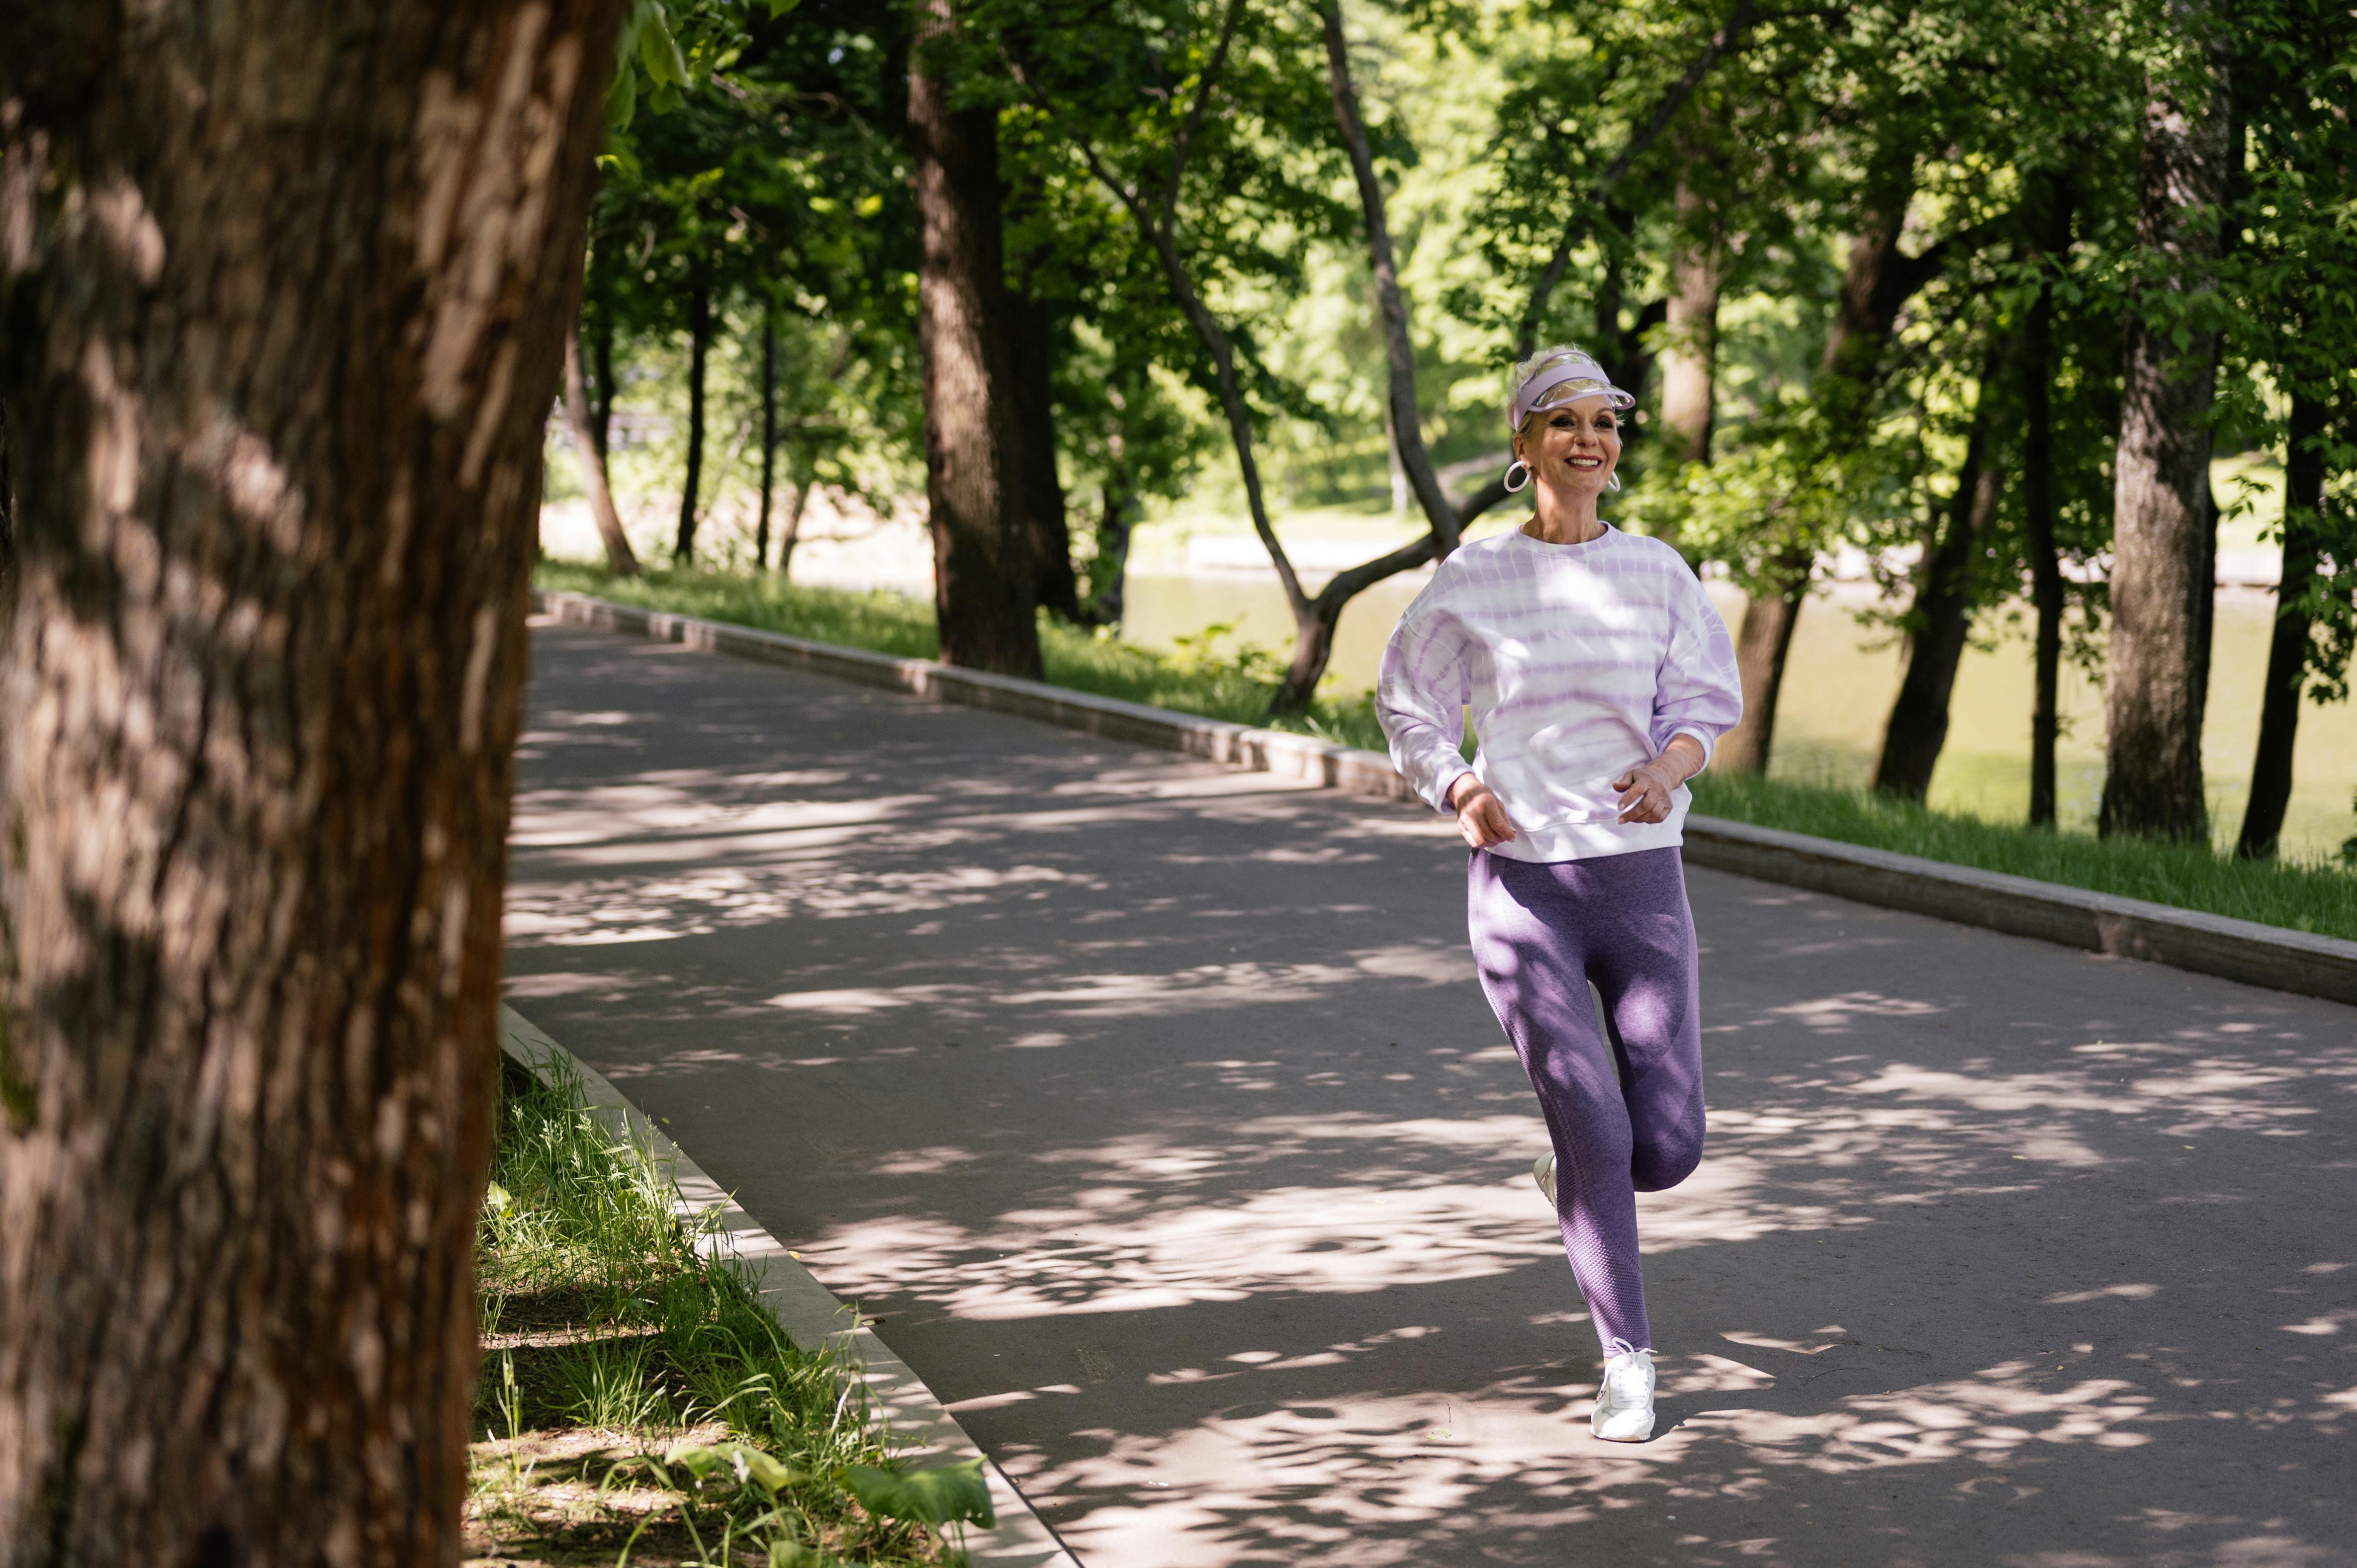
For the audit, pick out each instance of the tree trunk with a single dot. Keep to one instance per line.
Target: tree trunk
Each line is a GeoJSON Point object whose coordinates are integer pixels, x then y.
{"type": "Point", "coordinates": [2152, 784]}
{"type": "Point", "coordinates": [601, 388]}
{"type": "Point", "coordinates": [287, 287]}
{"type": "Point", "coordinates": [1116, 522]}
{"type": "Point", "coordinates": [2046, 590]}
{"type": "Point", "coordinates": [1877, 283]}
{"type": "Point", "coordinates": [1761, 645]}
{"type": "Point", "coordinates": [1942, 616]}
{"type": "Point", "coordinates": [699, 345]}
{"type": "Point", "coordinates": [1690, 353]}
{"type": "Point", "coordinates": [7, 508]}
{"type": "Point", "coordinates": [621, 559]}
{"type": "Point", "coordinates": [986, 586]}
{"type": "Point", "coordinates": [769, 436]}
{"type": "Point", "coordinates": [1040, 493]}
{"type": "Point", "coordinates": [2288, 648]}
{"type": "Point", "coordinates": [798, 489]}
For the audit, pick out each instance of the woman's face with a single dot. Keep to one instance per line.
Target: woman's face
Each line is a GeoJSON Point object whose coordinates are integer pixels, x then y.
{"type": "Point", "coordinates": [1574, 448]}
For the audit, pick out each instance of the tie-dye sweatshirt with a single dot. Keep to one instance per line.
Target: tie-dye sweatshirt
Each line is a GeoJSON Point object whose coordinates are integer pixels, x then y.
{"type": "Point", "coordinates": [1580, 661]}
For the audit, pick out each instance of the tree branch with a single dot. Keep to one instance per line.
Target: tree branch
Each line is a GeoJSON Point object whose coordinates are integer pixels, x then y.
{"type": "Point", "coordinates": [1194, 120]}
{"type": "Point", "coordinates": [1727, 39]}
{"type": "Point", "coordinates": [1407, 427]}
{"type": "Point", "coordinates": [1208, 330]}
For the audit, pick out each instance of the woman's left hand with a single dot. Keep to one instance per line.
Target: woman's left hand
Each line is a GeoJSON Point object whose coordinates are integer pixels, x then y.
{"type": "Point", "coordinates": [1647, 788]}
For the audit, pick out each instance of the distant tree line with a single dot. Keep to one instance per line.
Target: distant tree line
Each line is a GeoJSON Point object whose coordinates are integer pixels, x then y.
{"type": "Point", "coordinates": [1975, 287]}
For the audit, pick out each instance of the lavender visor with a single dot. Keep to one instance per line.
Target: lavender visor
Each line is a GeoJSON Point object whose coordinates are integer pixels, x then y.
{"type": "Point", "coordinates": [1562, 378]}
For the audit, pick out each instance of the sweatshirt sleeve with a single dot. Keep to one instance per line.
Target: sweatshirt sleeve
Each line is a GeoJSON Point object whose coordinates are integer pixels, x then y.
{"type": "Point", "coordinates": [1420, 696]}
{"type": "Point", "coordinates": [1698, 690]}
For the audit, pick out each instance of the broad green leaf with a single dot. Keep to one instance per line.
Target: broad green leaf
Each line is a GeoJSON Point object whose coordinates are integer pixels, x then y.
{"type": "Point", "coordinates": [945, 1493]}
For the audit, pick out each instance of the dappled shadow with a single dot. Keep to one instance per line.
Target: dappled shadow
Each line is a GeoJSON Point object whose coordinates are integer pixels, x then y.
{"type": "Point", "coordinates": [1152, 1112]}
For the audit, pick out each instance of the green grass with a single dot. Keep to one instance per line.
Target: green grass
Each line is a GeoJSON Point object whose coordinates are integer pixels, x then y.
{"type": "Point", "coordinates": [618, 1358]}
{"type": "Point", "coordinates": [2320, 899]}
{"type": "Point", "coordinates": [2317, 899]}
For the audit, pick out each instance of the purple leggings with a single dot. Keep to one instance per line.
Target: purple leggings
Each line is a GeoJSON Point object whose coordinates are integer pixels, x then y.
{"type": "Point", "coordinates": [1624, 1106]}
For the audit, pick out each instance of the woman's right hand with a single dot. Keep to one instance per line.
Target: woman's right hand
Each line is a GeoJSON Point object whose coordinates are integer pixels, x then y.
{"type": "Point", "coordinates": [1482, 818]}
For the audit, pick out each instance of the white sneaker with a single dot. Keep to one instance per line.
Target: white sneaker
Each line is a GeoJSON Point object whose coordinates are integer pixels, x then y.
{"type": "Point", "coordinates": [1543, 1173]}
{"type": "Point", "coordinates": [1624, 1406]}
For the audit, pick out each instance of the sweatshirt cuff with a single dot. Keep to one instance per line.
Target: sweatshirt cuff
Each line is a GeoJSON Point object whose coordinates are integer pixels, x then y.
{"type": "Point", "coordinates": [1703, 738]}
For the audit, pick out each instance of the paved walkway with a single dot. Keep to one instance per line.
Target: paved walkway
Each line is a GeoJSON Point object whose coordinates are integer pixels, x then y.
{"type": "Point", "coordinates": [1153, 1112]}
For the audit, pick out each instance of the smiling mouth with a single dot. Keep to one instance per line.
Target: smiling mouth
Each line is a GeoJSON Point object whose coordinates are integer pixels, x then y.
{"type": "Point", "coordinates": [1587, 462]}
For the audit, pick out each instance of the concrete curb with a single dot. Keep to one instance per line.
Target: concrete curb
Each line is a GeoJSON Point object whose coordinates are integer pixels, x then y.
{"type": "Point", "coordinates": [808, 1311]}
{"type": "Point", "coordinates": [2242, 950]}
{"type": "Point", "coordinates": [2246, 950]}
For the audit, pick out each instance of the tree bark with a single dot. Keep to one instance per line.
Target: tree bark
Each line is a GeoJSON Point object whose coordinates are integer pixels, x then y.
{"type": "Point", "coordinates": [1762, 643]}
{"type": "Point", "coordinates": [287, 287]}
{"type": "Point", "coordinates": [986, 585]}
{"type": "Point", "coordinates": [699, 346]}
{"type": "Point", "coordinates": [1942, 614]}
{"type": "Point", "coordinates": [2286, 678]}
{"type": "Point", "coordinates": [621, 559]}
{"type": "Point", "coordinates": [1690, 353]}
{"type": "Point", "coordinates": [2152, 784]}
{"type": "Point", "coordinates": [2046, 589]}
{"type": "Point", "coordinates": [1040, 493]}
{"type": "Point", "coordinates": [769, 436]}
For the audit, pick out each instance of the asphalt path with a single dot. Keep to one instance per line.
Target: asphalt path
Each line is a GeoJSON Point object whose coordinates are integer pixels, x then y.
{"type": "Point", "coordinates": [1153, 1113]}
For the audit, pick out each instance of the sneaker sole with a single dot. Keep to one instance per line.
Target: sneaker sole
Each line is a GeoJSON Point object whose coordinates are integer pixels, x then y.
{"type": "Point", "coordinates": [1645, 1435]}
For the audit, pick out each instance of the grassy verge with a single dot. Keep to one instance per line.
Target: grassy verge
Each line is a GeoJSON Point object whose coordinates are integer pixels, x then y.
{"type": "Point", "coordinates": [638, 1404]}
{"type": "Point", "coordinates": [2315, 899]}
{"type": "Point", "coordinates": [2322, 900]}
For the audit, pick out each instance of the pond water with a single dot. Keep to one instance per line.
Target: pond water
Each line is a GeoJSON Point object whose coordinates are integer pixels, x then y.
{"type": "Point", "coordinates": [1838, 688]}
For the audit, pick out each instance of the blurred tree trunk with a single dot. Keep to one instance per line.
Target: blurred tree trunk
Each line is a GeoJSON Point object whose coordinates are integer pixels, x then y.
{"type": "Point", "coordinates": [621, 559]}
{"type": "Point", "coordinates": [769, 436]}
{"type": "Point", "coordinates": [1032, 345]}
{"type": "Point", "coordinates": [2286, 678]}
{"type": "Point", "coordinates": [601, 387]}
{"type": "Point", "coordinates": [287, 287]}
{"type": "Point", "coordinates": [699, 347]}
{"type": "Point", "coordinates": [1116, 522]}
{"type": "Point", "coordinates": [2163, 529]}
{"type": "Point", "coordinates": [2046, 590]}
{"type": "Point", "coordinates": [986, 585]}
{"type": "Point", "coordinates": [1876, 282]}
{"type": "Point", "coordinates": [1690, 354]}
{"type": "Point", "coordinates": [1941, 617]}
{"type": "Point", "coordinates": [798, 489]}
{"type": "Point", "coordinates": [1763, 640]}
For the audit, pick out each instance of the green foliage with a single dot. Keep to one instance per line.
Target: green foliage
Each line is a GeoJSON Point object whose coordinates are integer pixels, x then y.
{"type": "Point", "coordinates": [1517, 143]}
{"type": "Point", "coordinates": [607, 1314]}
{"type": "Point", "coordinates": [945, 1493]}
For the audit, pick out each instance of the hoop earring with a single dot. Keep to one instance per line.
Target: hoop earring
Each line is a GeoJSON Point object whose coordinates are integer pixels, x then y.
{"type": "Point", "coordinates": [1614, 482]}
{"type": "Point", "coordinates": [1526, 468]}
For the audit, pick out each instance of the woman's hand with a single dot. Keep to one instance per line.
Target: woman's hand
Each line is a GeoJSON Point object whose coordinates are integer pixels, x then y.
{"type": "Point", "coordinates": [1646, 789]}
{"type": "Point", "coordinates": [1481, 816]}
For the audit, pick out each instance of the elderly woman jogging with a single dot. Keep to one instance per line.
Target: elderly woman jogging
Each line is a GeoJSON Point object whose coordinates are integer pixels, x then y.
{"type": "Point", "coordinates": [1599, 677]}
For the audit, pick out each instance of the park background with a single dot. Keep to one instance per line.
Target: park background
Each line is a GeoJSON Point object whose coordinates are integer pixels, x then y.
{"type": "Point", "coordinates": [751, 372]}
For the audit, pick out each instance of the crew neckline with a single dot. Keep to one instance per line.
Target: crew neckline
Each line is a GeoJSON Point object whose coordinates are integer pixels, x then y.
{"type": "Point", "coordinates": [1604, 538]}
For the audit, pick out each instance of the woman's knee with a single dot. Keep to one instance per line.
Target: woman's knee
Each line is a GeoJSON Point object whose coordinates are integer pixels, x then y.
{"type": "Point", "coordinates": [1660, 1164]}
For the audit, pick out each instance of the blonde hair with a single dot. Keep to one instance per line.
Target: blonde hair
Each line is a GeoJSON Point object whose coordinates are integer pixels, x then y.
{"type": "Point", "coordinates": [1525, 369]}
